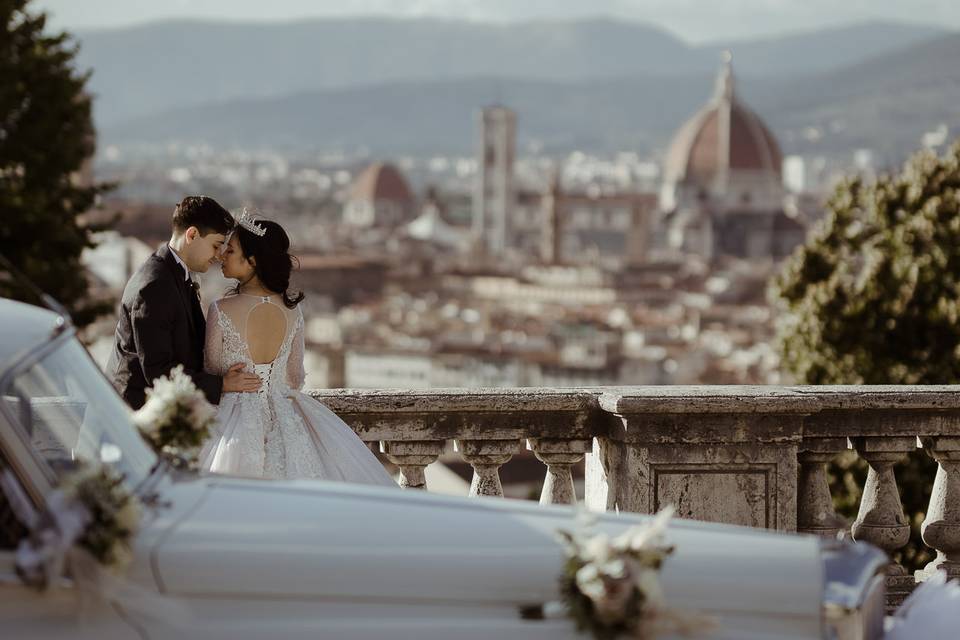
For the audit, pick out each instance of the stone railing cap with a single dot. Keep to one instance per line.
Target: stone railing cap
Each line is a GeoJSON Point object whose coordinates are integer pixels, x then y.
{"type": "Point", "coordinates": [707, 399]}
{"type": "Point", "coordinates": [446, 400]}
{"type": "Point", "coordinates": [884, 397]}
{"type": "Point", "coordinates": [777, 399]}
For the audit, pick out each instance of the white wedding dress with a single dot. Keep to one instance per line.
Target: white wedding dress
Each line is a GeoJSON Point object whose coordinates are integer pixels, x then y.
{"type": "Point", "coordinates": [277, 432]}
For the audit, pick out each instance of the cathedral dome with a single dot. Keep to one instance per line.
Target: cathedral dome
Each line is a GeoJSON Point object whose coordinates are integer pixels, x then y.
{"type": "Point", "coordinates": [723, 139]}
{"type": "Point", "coordinates": [381, 181]}
{"type": "Point", "coordinates": [379, 196]}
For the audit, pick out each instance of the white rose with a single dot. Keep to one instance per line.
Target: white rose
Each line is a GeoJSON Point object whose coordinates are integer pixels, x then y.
{"type": "Point", "coordinates": [640, 539]}
{"type": "Point", "coordinates": [614, 568]}
{"type": "Point", "coordinates": [621, 542]}
{"type": "Point", "coordinates": [597, 549]}
{"type": "Point", "coordinates": [181, 384]}
{"type": "Point", "coordinates": [589, 582]}
{"type": "Point", "coordinates": [202, 412]}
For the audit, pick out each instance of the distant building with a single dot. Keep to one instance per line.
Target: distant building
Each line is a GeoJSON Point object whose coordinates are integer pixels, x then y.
{"type": "Point", "coordinates": [591, 226]}
{"type": "Point", "coordinates": [379, 197]}
{"type": "Point", "coordinates": [551, 238]}
{"type": "Point", "coordinates": [382, 369]}
{"type": "Point", "coordinates": [431, 225]}
{"type": "Point", "coordinates": [722, 191]}
{"type": "Point", "coordinates": [494, 195]}
{"type": "Point", "coordinates": [148, 223]}
{"type": "Point", "coordinates": [344, 279]}
{"type": "Point", "coordinates": [114, 259]}
{"type": "Point", "coordinates": [576, 227]}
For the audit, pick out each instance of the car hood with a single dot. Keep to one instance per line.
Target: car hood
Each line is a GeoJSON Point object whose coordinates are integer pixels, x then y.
{"type": "Point", "coordinates": [312, 539]}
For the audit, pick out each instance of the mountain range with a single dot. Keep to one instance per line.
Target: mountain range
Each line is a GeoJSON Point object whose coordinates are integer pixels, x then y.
{"type": "Point", "coordinates": [415, 85]}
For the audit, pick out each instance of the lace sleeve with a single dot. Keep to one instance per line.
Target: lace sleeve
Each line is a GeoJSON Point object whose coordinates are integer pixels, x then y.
{"type": "Point", "coordinates": [213, 342]}
{"type": "Point", "coordinates": [295, 370]}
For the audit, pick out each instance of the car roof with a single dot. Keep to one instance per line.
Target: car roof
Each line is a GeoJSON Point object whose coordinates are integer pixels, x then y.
{"type": "Point", "coordinates": [22, 328]}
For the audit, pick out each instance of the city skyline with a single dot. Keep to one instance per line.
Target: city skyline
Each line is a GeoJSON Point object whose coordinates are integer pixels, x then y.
{"type": "Point", "coordinates": [696, 21]}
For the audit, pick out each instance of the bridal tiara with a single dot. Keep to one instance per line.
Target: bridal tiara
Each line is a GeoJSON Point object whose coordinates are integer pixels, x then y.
{"type": "Point", "coordinates": [247, 222]}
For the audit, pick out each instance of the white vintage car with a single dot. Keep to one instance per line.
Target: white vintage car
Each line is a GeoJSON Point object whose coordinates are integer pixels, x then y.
{"type": "Point", "coordinates": [236, 558]}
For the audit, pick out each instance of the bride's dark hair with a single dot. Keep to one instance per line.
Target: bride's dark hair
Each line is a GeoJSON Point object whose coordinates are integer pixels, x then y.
{"type": "Point", "coordinates": [272, 261]}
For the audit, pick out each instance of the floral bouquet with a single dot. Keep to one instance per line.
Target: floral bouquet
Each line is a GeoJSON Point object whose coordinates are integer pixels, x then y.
{"type": "Point", "coordinates": [114, 515]}
{"type": "Point", "coordinates": [90, 515]}
{"type": "Point", "coordinates": [176, 418]}
{"type": "Point", "coordinates": [611, 587]}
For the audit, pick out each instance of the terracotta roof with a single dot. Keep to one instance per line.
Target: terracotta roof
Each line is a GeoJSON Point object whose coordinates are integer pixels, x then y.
{"type": "Point", "coordinates": [381, 181]}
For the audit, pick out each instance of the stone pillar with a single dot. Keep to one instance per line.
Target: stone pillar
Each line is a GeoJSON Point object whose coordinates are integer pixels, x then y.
{"type": "Point", "coordinates": [558, 455]}
{"type": "Point", "coordinates": [722, 453]}
{"type": "Point", "coordinates": [941, 527]}
{"type": "Point", "coordinates": [815, 513]}
{"type": "Point", "coordinates": [880, 520]}
{"type": "Point", "coordinates": [605, 475]}
{"type": "Point", "coordinates": [486, 457]}
{"type": "Point", "coordinates": [412, 457]}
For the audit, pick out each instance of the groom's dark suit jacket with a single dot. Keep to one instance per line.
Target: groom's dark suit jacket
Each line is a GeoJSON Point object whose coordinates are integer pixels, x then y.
{"type": "Point", "coordinates": [161, 325]}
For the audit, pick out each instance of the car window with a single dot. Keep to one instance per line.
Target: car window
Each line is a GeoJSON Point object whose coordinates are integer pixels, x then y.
{"type": "Point", "coordinates": [70, 413]}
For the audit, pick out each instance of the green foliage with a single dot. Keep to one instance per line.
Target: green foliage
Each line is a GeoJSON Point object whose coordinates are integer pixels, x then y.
{"type": "Point", "coordinates": [874, 298]}
{"type": "Point", "coordinates": [46, 138]}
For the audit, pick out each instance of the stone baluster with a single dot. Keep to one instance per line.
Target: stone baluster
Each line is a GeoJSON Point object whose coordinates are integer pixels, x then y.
{"type": "Point", "coordinates": [941, 527]}
{"type": "Point", "coordinates": [815, 513]}
{"type": "Point", "coordinates": [486, 457]}
{"type": "Point", "coordinates": [880, 520]}
{"type": "Point", "coordinates": [559, 455]}
{"type": "Point", "coordinates": [412, 457]}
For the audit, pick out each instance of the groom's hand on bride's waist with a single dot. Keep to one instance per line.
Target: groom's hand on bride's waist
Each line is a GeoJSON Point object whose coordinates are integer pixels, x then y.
{"type": "Point", "coordinates": [236, 379]}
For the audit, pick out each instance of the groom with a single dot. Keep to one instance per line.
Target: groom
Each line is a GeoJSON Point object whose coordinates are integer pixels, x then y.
{"type": "Point", "coordinates": [161, 323]}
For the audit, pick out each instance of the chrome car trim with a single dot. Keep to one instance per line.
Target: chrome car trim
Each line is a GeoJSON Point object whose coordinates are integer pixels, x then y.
{"type": "Point", "coordinates": [854, 590]}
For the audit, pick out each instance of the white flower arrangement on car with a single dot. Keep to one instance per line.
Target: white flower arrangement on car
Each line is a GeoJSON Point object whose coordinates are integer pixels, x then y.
{"type": "Point", "coordinates": [85, 535]}
{"type": "Point", "coordinates": [611, 586]}
{"type": "Point", "coordinates": [176, 418]}
{"type": "Point", "coordinates": [89, 520]}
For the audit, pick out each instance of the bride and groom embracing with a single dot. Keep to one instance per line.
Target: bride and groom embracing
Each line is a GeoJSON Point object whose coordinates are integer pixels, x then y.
{"type": "Point", "coordinates": [246, 356]}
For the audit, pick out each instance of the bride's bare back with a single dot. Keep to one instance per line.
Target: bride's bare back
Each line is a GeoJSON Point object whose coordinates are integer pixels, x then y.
{"type": "Point", "coordinates": [261, 321]}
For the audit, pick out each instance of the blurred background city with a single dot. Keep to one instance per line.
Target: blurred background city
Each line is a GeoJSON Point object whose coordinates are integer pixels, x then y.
{"type": "Point", "coordinates": [510, 194]}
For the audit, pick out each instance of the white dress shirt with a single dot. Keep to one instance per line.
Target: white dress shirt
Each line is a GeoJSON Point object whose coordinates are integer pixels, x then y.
{"type": "Point", "coordinates": [186, 271]}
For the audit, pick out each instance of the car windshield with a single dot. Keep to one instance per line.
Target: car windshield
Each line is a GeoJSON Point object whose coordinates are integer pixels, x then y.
{"type": "Point", "coordinates": [71, 414]}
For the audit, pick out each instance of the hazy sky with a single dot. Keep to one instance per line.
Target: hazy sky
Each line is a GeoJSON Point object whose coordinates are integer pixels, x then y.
{"type": "Point", "coordinates": [694, 20]}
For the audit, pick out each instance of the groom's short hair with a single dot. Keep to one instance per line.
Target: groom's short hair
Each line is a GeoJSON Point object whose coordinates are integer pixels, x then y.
{"type": "Point", "coordinates": [204, 213]}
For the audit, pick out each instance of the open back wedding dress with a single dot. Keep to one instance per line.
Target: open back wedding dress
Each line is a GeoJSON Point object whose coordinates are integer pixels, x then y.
{"type": "Point", "coordinates": [276, 432]}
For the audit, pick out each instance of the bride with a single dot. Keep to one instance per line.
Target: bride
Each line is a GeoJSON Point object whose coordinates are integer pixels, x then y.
{"type": "Point", "coordinates": [277, 432]}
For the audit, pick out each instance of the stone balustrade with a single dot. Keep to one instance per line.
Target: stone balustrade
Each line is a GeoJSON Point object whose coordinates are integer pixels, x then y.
{"type": "Point", "coordinates": [752, 456]}
{"type": "Point", "coordinates": [487, 427]}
